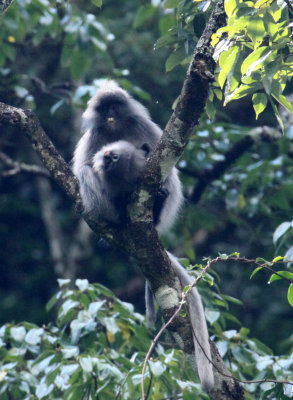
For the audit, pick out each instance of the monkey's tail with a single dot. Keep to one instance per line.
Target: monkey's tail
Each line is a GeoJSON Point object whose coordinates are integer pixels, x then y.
{"type": "Point", "coordinates": [150, 306]}
{"type": "Point", "coordinates": [199, 327]}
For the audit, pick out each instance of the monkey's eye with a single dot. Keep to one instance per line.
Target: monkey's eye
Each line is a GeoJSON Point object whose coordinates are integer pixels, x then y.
{"type": "Point", "coordinates": [115, 157]}
{"type": "Point", "coordinates": [101, 109]}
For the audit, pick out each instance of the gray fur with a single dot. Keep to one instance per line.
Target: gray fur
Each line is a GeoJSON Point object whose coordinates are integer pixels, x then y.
{"type": "Point", "coordinates": [150, 309]}
{"type": "Point", "coordinates": [132, 124]}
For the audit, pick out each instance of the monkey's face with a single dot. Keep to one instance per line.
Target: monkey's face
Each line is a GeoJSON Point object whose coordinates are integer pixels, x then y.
{"type": "Point", "coordinates": [115, 163]}
{"type": "Point", "coordinates": [112, 113]}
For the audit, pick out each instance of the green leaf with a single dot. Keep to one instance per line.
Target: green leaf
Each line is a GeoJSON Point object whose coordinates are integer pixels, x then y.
{"type": "Point", "coordinates": [166, 40]}
{"type": "Point", "coordinates": [278, 258]}
{"type": "Point", "coordinates": [166, 23]}
{"type": "Point", "coordinates": [143, 14]}
{"type": "Point", "coordinates": [223, 256]}
{"type": "Point", "coordinates": [275, 11]}
{"type": "Point", "coordinates": [175, 59]}
{"type": "Point", "coordinates": [97, 3]}
{"type": "Point", "coordinates": [86, 364]}
{"type": "Point", "coordinates": [211, 110]}
{"type": "Point", "coordinates": [277, 114]}
{"type": "Point", "coordinates": [235, 254]}
{"type": "Point", "coordinates": [261, 260]}
{"type": "Point", "coordinates": [186, 288]}
{"type": "Point", "coordinates": [256, 30]}
{"type": "Point", "coordinates": [9, 51]}
{"type": "Point", "coordinates": [78, 64]}
{"type": "Point", "coordinates": [185, 262]}
{"type": "Point", "coordinates": [212, 316]}
{"type": "Point", "coordinates": [111, 324]}
{"type": "Point", "coordinates": [171, 3]}
{"type": "Point", "coordinates": [259, 101]}
{"type": "Point", "coordinates": [18, 333]}
{"type": "Point", "coordinates": [284, 274]}
{"type": "Point", "coordinates": [230, 7]}
{"type": "Point", "coordinates": [242, 91]}
{"type": "Point", "coordinates": [157, 367]}
{"type": "Point", "coordinates": [285, 103]}
{"type": "Point", "coordinates": [232, 299]}
{"type": "Point", "coordinates": [290, 295]}
{"type": "Point", "coordinates": [231, 317]}
{"type": "Point", "coordinates": [226, 62]}
{"type": "Point", "coordinates": [255, 271]}
{"type": "Point", "coordinates": [255, 60]}
{"type": "Point", "coordinates": [51, 303]}
{"type": "Point", "coordinates": [270, 71]}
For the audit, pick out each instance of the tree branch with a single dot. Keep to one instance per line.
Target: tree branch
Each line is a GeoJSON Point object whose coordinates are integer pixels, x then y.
{"type": "Point", "coordinates": [28, 123]}
{"type": "Point", "coordinates": [17, 167]}
{"type": "Point", "coordinates": [186, 115]}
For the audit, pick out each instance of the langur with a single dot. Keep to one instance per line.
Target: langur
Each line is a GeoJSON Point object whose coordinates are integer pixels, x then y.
{"type": "Point", "coordinates": [113, 115]}
{"type": "Point", "coordinates": [116, 167]}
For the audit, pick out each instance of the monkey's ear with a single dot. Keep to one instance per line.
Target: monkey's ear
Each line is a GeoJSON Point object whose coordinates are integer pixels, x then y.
{"type": "Point", "coordinates": [146, 148]}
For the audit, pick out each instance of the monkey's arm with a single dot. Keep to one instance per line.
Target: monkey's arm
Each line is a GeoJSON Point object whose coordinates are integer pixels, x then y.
{"type": "Point", "coordinates": [94, 194]}
{"type": "Point", "coordinates": [90, 189]}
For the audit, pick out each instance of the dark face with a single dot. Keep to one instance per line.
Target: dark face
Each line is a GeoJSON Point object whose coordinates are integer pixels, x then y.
{"type": "Point", "coordinates": [112, 112]}
{"type": "Point", "coordinates": [115, 164]}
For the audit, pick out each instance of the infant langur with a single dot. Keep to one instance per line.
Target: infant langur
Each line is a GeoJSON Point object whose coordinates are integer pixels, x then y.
{"type": "Point", "coordinates": [117, 167]}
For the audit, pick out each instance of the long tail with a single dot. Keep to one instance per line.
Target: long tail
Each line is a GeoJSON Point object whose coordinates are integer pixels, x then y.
{"type": "Point", "coordinates": [150, 306]}
{"type": "Point", "coordinates": [199, 327]}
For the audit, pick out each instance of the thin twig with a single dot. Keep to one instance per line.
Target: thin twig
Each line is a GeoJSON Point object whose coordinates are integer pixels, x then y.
{"type": "Point", "coordinates": [17, 167]}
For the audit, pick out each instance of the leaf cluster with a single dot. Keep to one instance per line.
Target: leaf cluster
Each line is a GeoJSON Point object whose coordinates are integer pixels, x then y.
{"type": "Point", "coordinates": [254, 52]}
{"type": "Point", "coordinates": [97, 347]}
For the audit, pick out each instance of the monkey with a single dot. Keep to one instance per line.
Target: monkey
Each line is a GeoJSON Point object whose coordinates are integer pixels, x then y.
{"type": "Point", "coordinates": [116, 167]}
{"type": "Point", "coordinates": [113, 115]}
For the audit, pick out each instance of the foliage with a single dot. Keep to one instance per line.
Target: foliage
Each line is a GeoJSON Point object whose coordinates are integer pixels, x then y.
{"type": "Point", "coordinates": [98, 345]}
{"type": "Point", "coordinates": [96, 349]}
{"type": "Point", "coordinates": [53, 56]}
{"type": "Point", "coordinates": [253, 51]}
